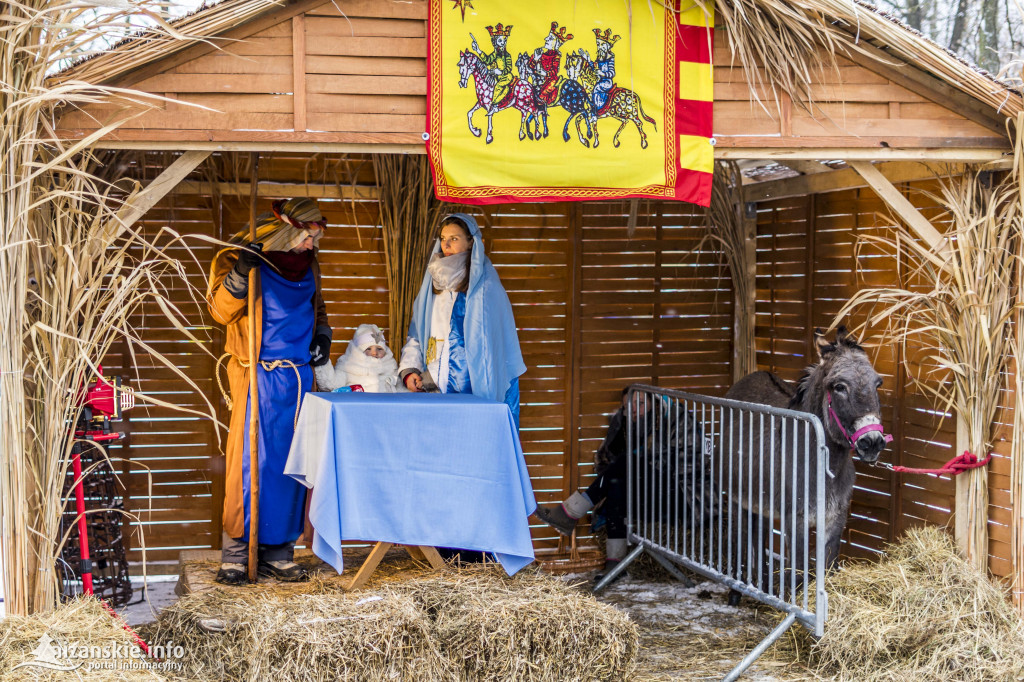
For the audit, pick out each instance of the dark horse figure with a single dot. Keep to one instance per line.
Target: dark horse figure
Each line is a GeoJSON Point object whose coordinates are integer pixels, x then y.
{"type": "Point", "coordinates": [842, 390]}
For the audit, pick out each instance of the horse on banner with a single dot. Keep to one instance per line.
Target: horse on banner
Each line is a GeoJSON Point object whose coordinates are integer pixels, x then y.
{"type": "Point", "coordinates": [622, 103]}
{"type": "Point", "coordinates": [520, 96]}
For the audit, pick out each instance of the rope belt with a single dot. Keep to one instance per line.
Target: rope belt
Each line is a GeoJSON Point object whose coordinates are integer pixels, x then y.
{"type": "Point", "coordinates": [267, 366]}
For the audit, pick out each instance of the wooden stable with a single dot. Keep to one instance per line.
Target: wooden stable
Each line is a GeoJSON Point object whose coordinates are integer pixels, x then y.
{"type": "Point", "coordinates": [316, 86]}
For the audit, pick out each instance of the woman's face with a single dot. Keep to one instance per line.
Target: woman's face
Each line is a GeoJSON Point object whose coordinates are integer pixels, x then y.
{"type": "Point", "coordinates": [454, 240]}
{"type": "Point", "coordinates": [310, 241]}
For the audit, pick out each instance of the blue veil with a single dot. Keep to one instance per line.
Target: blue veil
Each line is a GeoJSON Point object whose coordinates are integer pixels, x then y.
{"type": "Point", "coordinates": [492, 343]}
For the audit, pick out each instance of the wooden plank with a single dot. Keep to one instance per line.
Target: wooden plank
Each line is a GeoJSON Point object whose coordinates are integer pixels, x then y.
{"type": "Point", "coordinates": [367, 85]}
{"type": "Point", "coordinates": [343, 28]}
{"type": "Point", "coordinates": [138, 203]}
{"type": "Point", "coordinates": [928, 86]}
{"type": "Point", "coordinates": [278, 190]}
{"type": "Point", "coordinates": [404, 9]}
{"type": "Point", "coordinates": [367, 47]}
{"type": "Point", "coordinates": [969, 150]}
{"type": "Point", "coordinates": [902, 206]}
{"type": "Point", "coordinates": [837, 180]}
{"type": "Point", "coordinates": [299, 71]}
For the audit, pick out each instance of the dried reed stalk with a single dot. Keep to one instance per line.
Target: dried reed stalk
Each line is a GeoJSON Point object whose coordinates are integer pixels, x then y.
{"type": "Point", "coordinates": [409, 214]}
{"type": "Point", "coordinates": [959, 317]}
{"type": "Point", "coordinates": [727, 227]}
{"type": "Point", "coordinates": [70, 289]}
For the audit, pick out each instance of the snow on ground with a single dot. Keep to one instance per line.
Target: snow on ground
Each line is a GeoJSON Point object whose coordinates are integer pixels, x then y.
{"type": "Point", "coordinates": [691, 633]}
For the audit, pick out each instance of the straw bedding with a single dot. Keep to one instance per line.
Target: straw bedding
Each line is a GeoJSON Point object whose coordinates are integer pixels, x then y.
{"type": "Point", "coordinates": [471, 624]}
{"type": "Point", "coordinates": [80, 622]}
{"type": "Point", "coordinates": [921, 613]}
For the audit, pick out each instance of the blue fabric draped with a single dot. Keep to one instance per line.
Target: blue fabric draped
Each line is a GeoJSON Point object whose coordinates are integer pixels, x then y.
{"type": "Point", "coordinates": [493, 357]}
{"type": "Point", "coordinates": [444, 470]}
{"type": "Point", "coordinates": [458, 365]}
{"type": "Point", "coordinates": [288, 319]}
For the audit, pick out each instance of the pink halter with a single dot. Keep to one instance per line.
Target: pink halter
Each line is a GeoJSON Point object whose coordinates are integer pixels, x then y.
{"type": "Point", "coordinates": [859, 432]}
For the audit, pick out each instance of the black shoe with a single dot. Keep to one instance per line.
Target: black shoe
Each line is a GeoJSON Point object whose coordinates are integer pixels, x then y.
{"type": "Point", "coordinates": [557, 518]}
{"type": "Point", "coordinates": [285, 571]}
{"type": "Point", "coordinates": [609, 565]}
{"type": "Point", "coordinates": [231, 574]}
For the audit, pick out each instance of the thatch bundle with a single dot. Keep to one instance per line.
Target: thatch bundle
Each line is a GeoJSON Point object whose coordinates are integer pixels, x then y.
{"type": "Point", "coordinates": [921, 613]}
{"type": "Point", "coordinates": [473, 624]}
{"type": "Point", "coordinates": [82, 622]}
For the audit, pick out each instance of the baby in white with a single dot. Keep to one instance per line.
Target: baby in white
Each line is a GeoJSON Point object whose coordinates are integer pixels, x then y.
{"type": "Point", "coordinates": [368, 362]}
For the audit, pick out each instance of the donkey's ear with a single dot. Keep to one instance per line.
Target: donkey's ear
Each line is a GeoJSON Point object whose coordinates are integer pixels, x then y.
{"type": "Point", "coordinates": [845, 338]}
{"type": "Point", "coordinates": [822, 344]}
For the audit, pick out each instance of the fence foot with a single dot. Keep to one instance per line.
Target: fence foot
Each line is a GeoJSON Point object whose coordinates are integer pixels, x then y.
{"type": "Point", "coordinates": [760, 648]}
{"type": "Point", "coordinates": [671, 568]}
{"type": "Point", "coordinates": [610, 575]}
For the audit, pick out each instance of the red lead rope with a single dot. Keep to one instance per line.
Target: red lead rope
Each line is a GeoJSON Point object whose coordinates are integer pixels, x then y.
{"type": "Point", "coordinates": [957, 465]}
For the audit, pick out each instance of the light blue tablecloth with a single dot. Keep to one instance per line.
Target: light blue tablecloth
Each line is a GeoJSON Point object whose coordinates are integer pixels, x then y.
{"type": "Point", "coordinates": [415, 469]}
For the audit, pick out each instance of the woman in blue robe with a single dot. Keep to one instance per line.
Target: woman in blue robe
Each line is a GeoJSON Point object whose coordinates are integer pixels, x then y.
{"type": "Point", "coordinates": [462, 338]}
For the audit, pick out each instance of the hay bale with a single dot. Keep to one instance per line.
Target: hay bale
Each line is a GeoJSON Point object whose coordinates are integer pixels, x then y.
{"type": "Point", "coordinates": [468, 624]}
{"type": "Point", "coordinates": [317, 635]}
{"type": "Point", "coordinates": [530, 627]}
{"type": "Point", "coordinates": [82, 622]}
{"type": "Point", "coordinates": [921, 613]}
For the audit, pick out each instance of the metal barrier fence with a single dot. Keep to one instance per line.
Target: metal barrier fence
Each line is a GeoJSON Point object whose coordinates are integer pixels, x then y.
{"type": "Point", "coordinates": [732, 491]}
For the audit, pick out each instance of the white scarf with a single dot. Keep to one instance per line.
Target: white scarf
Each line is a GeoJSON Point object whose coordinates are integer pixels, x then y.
{"type": "Point", "coordinates": [447, 272]}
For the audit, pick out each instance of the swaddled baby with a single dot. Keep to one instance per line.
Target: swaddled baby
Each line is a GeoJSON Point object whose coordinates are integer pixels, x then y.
{"type": "Point", "coordinates": [368, 362]}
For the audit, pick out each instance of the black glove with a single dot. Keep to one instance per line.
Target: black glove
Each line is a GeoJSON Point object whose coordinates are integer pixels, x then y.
{"type": "Point", "coordinates": [249, 258]}
{"type": "Point", "coordinates": [237, 281]}
{"type": "Point", "coordinates": [320, 350]}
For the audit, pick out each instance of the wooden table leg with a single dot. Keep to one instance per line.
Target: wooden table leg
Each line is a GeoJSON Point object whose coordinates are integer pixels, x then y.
{"type": "Point", "coordinates": [370, 565]}
{"type": "Point", "coordinates": [432, 556]}
{"type": "Point", "coordinates": [415, 553]}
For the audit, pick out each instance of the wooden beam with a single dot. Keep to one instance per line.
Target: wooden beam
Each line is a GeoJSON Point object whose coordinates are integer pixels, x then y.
{"type": "Point", "coordinates": [299, 72]}
{"type": "Point", "coordinates": [785, 114]}
{"type": "Point", "coordinates": [779, 152]}
{"type": "Point", "coordinates": [269, 146]}
{"type": "Point", "coordinates": [744, 350]}
{"type": "Point", "coordinates": [831, 181]}
{"type": "Point", "coordinates": [139, 203]}
{"type": "Point", "coordinates": [807, 167]}
{"type": "Point", "coordinates": [902, 206]}
{"type": "Point", "coordinates": [279, 190]}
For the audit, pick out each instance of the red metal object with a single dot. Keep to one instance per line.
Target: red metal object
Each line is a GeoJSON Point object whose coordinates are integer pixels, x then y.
{"type": "Point", "coordinates": [83, 533]}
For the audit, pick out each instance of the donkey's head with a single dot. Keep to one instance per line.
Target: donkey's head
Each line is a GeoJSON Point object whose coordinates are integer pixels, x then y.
{"type": "Point", "coordinates": [842, 389]}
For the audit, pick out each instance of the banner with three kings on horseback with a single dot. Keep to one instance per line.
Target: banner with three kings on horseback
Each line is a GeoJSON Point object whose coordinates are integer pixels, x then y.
{"type": "Point", "coordinates": [519, 94]}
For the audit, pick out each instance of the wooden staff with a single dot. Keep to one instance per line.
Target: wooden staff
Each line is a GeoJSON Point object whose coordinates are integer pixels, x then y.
{"type": "Point", "coordinates": [254, 411]}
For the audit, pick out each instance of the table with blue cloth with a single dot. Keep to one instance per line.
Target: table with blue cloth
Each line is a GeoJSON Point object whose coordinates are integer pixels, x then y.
{"type": "Point", "coordinates": [416, 469]}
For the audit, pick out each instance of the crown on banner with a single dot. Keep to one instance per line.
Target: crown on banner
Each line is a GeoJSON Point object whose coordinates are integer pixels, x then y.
{"type": "Point", "coordinates": [499, 30]}
{"type": "Point", "coordinates": [606, 37]}
{"type": "Point", "coordinates": [560, 32]}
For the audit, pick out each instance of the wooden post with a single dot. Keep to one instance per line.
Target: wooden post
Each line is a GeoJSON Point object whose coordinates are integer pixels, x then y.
{"type": "Point", "coordinates": [254, 412]}
{"type": "Point", "coordinates": [971, 514]}
{"type": "Point", "coordinates": [744, 359]}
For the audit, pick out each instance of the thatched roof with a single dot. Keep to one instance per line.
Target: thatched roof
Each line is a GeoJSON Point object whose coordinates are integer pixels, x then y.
{"type": "Point", "coordinates": [844, 26]}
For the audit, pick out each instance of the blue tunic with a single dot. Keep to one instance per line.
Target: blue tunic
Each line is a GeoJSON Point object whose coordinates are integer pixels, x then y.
{"type": "Point", "coordinates": [606, 80]}
{"type": "Point", "coordinates": [458, 362]}
{"type": "Point", "coordinates": [288, 320]}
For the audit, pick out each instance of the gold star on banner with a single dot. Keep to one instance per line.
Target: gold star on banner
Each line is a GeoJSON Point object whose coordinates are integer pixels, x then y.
{"type": "Point", "coordinates": [462, 5]}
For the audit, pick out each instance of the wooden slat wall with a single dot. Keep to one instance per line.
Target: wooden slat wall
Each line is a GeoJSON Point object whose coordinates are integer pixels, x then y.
{"type": "Point", "coordinates": [808, 268]}
{"type": "Point", "coordinates": [596, 309]}
{"type": "Point", "coordinates": [354, 71]}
